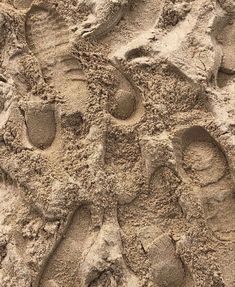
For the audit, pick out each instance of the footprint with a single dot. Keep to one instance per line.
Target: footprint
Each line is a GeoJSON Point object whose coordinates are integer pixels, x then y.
{"type": "Point", "coordinates": [203, 160]}
{"type": "Point", "coordinates": [61, 269]}
{"type": "Point", "coordinates": [48, 37]}
{"type": "Point", "coordinates": [206, 166]}
{"type": "Point", "coordinates": [131, 25]}
{"type": "Point", "coordinates": [123, 153]}
{"type": "Point", "coordinates": [204, 163]}
{"type": "Point", "coordinates": [227, 40]}
{"type": "Point", "coordinates": [168, 270]}
{"type": "Point", "coordinates": [104, 263]}
{"type": "Point", "coordinates": [105, 14]}
{"type": "Point", "coordinates": [41, 124]}
{"type": "Point", "coordinates": [6, 99]}
{"type": "Point", "coordinates": [226, 73]}
{"type": "Point", "coordinates": [224, 80]}
{"type": "Point", "coordinates": [125, 104]}
{"type": "Point", "coordinates": [22, 4]}
{"type": "Point", "coordinates": [122, 105]}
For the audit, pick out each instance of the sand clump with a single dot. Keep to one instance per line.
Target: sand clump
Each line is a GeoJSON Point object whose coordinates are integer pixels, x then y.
{"type": "Point", "coordinates": [117, 143]}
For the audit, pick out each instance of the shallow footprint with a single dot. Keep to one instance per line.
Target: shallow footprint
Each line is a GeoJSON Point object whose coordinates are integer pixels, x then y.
{"type": "Point", "coordinates": [48, 38]}
{"type": "Point", "coordinates": [63, 265]}
{"type": "Point", "coordinates": [206, 165]}
{"type": "Point", "coordinates": [22, 4]}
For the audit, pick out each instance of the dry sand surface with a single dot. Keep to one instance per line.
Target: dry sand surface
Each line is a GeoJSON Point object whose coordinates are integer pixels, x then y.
{"type": "Point", "coordinates": [117, 143]}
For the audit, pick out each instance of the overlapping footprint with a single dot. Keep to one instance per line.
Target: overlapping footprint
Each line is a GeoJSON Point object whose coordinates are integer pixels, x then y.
{"type": "Point", "coordinates": [48, 38]}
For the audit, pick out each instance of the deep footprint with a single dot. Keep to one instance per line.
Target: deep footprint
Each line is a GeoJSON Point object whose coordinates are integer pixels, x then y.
{"type": "Point", "coordinates": [41, 125]}
{"type": "Point", "coordinates": [125, 104]}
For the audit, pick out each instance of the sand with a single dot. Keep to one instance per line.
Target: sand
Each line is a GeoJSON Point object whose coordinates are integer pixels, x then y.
{"type": "Point", "coordinates": [117, 143]}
